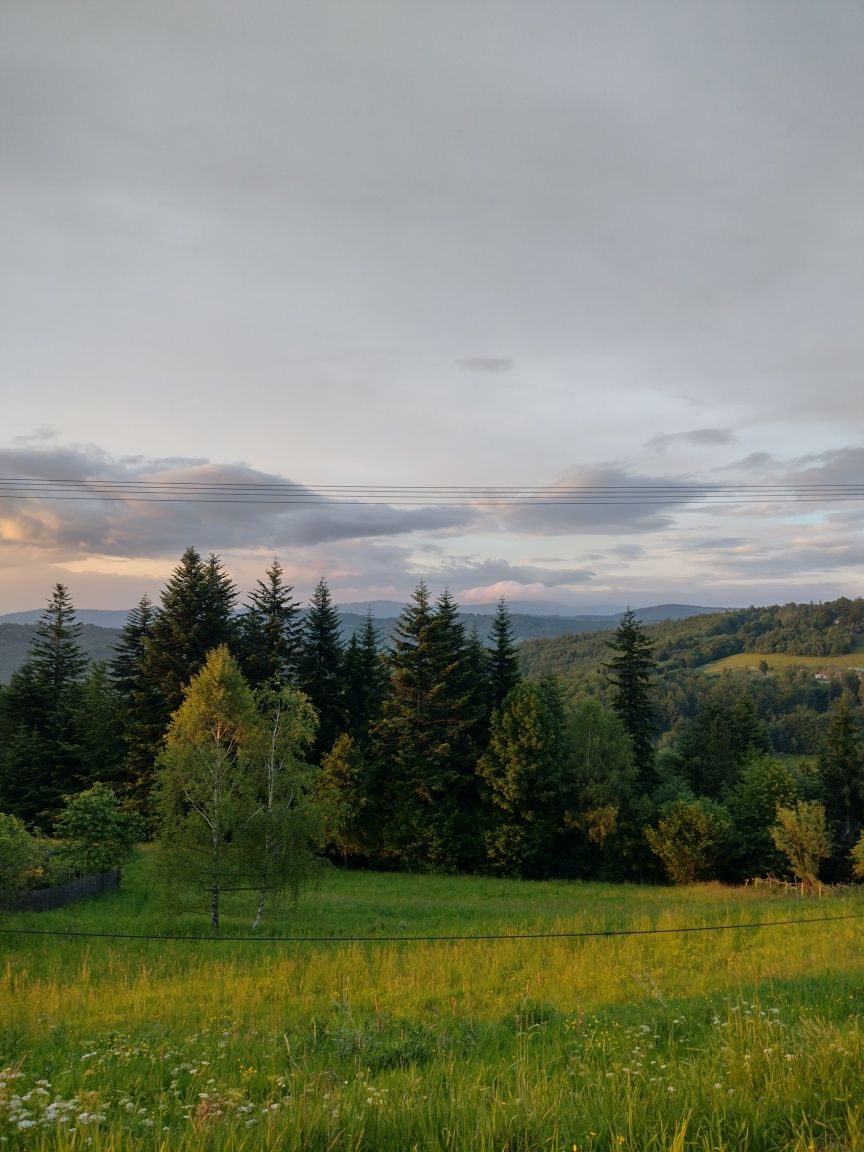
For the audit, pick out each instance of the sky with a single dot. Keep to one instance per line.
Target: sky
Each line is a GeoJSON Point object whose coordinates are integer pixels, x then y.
{"type": "Point", "coordinates": [476, 242]}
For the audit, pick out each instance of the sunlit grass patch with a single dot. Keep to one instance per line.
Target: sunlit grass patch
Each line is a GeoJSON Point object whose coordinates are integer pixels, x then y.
{"type": "Point", "coordinates": [736, 1038]}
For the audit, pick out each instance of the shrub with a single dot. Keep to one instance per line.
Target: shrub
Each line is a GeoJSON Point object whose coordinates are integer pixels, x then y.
{"type": "Point", "coordinates": [691, 838]}
{"type": "Point", "coordinates": [98, 834]}
{"type": "Point", "coordinates": [20, 855]}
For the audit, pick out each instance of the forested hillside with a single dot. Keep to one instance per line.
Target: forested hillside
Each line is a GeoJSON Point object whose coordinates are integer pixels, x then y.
{"type": "Point", "coordinates": [619, 754]}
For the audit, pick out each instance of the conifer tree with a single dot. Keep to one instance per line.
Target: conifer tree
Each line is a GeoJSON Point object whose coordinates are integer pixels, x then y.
{"type": "Point", "coordinates": [195, 616]}
{"type": "Point", "coordinates": [841, 768]}
{"type": "Point", "coordinates": [365, 683]}
{"type": "Point", "coordinates": [41, 758]}
{"type": "Point", "coordinates": [405, 738]}
{"type": "Point", "coordinates": [629, 672]}
{"type": "Point", "coordinates": [269, 637]}
{"type": "Point", "coordinates": [525, 773]}
{"type": "Point", "coordinates": [142, 706]}
{"type": "Point", "coordinates": [320, 668]}
{"type": "Point", "coordinates": [57, 658]}
{"type": "Point", "coordinates": [503, 657]}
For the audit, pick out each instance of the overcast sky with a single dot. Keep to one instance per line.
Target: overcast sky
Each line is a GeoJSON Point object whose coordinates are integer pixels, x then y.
{"type": "Point", "coordinates": [468, 242]}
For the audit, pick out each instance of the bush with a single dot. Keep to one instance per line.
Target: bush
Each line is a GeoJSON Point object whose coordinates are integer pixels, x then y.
{"type": "Point", "coordinates": [691, 838]}
{"type": "Point", "coordinates": [20, 854]}
{"type": "Point", "coordinates": [98, 834]}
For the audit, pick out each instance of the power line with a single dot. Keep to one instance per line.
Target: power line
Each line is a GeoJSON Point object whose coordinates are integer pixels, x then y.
{"type": "Point", "coordinates": [249, 492]}
{"type": "Point", "coordinates": [605, 933]}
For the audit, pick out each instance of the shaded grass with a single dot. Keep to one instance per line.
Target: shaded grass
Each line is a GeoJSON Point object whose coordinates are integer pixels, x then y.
{"type": "Point", "coordinates": [749, 1039]}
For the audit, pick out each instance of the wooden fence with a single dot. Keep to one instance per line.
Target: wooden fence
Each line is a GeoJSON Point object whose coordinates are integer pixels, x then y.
{"type": "Point", "coordinates": [41, 899]}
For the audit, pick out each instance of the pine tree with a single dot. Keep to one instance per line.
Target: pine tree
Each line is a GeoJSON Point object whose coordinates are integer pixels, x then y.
{"type": "Point", "coordinates": [629, 672]}
{"type": "Point", "coordinates": [57, 658]}
{"type": "Point", "coordinates": [41, 758]}
{"type": "Point", "coordinates": [320, 668]}
{"type": "Point", "coordinates": [426, 746]}
{"type": "Point", "coordinates": [503, 657]}
{"type": "Point", "coordinates": [525, 773]}
{"type": "Point", "coordinates": [405, 738]}
{"type": "Point", "coordinates": [195, 616]}
{"type": "Point", "coordinates": [269, 637]}
{"type": "Point", "coordinates": [365, 683]}
{"type": "Point", "coordinates": [841, 768]}
{"type": "Point", "coordinates": [142, 705]}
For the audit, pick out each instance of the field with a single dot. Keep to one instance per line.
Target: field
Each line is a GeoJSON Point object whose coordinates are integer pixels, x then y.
{"type": "Point", "coordinates": [777, 661]}
{"type": "Point", "coordinates": [737, 1038]}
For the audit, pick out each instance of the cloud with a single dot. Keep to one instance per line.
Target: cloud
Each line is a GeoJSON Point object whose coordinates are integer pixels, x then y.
{"type": "Point", "coordinates": [607, 500]}
{"type": "Point", "coordinates": [129, 524]}
{"type": "Point", "coordinates": [699, 437]}
{"type": "Point", "coordinates": [461, 573]}
{"type": "Point", "coordinates": [488, 364]}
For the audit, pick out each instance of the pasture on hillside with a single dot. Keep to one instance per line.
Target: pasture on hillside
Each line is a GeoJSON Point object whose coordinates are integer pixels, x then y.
{"type": "Point", "coordinates": [733, 1038]}
{"type": "Point", "coordinates": [779, 661]}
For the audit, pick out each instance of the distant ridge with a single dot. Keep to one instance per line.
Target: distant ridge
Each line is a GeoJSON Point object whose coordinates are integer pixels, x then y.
{"type": "Point", "coordinates": [101, 617]}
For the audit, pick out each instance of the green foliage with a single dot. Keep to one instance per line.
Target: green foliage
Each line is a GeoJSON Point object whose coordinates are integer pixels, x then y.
{"type": "Point", "coordinates": [524, 770]}
{"type": "Point", "coordinates": [841, 767]}
{"type": "Point", "coordinates": [195, 616]}
{"type": "Point", "coordinates": [601, 781]}
{"type": "Point", "coordinates": [206, 794]}
{"type": "Point", "coordinates": [503, 657]}
{"type": "Point", "coordinates": [764, 784]}
{"type": "Point", "coordinates": [285, 825]}
{"type": "Point", "coordinates": [691, 839]}
{"type": "Point", "coordinates": [341, 790]}
{"type": "Point", "coordinates": [98, 836]}
{"type": "Point", "coordinates": [366, 684]}
{"type": "Point", "coordinates": [320, 668]}
{"type": "Point", "coordinates": [629, 672]}
{"type": "Point", "coordinates": [424, 745]}
{"type": "Point", "coordinates": [801, 834]}
{"type": "Point", "coordinates": [40, 757]}
{"type": "Point", "coordinates": [721, 737]}
{"type": "Point", "coordinates": [20, 854]}
{"type": "Point", "coordinates": [269, 636]}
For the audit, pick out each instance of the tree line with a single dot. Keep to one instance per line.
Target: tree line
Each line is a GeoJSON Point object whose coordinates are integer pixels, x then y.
{"type": "Point", "coordinates": [250, 741]}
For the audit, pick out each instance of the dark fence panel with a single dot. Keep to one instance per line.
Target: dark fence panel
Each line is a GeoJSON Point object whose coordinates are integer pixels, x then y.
{"type": "Point", "coordinates": [40, 899]}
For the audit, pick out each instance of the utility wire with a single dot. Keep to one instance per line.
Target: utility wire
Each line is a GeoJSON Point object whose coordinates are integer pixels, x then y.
{"type": "Point", "coordinates": [605, 933]}
{"type": "Point", "coordinates": [248, 492]}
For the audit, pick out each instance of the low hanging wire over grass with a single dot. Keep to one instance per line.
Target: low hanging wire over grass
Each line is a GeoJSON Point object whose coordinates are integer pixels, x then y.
{"type": "Point", "coordinates": [733, 1039]}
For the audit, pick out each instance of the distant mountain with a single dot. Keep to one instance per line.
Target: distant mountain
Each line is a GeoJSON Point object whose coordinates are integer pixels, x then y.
{"type": "Point", "coordinates": [15, 641]}
{"type": "Point", "coordinates": [101, 617]}
{"type": "Point", "coordinates": [102, 626]}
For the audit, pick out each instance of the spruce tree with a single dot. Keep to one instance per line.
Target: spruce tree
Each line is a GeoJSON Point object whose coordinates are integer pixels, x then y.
{"type": "Point", "coordinates": [142, 705]}
{"type": "Point", "coordinates": [525, 773]}
{"type": "Point", "coordinates": [195, 616]}
{"type": "Point", "coordinates": [269, 637]}
{"type": "Point", "coordinates": [503, 657]}
{"type": "Point", "coordinates": [41, 758]}
{"type": "Point", "coordinates": [320, 668]}
{"type": "Point", "coordinates": [629, 672]}
{"type": "Point", "coordinates": [841, 768]}
{"type": "Point", "coordinates": [405, 738]}
{"type": "Point", "coordinates": [426, 743]}
{"type": "Point", "coordinates": [57, 658]}
{"type": "Point", "coordinates": [365, 683]}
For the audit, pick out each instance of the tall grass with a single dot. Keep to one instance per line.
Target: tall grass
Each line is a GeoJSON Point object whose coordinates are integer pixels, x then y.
{"type": "Point", "coordinates": [734, 1039]}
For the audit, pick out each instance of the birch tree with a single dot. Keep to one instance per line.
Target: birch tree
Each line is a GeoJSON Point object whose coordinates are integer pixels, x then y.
{"type": "Point", "coordinates": [285, 824]}
{"type": "Point", "coordinates": [206, 792]}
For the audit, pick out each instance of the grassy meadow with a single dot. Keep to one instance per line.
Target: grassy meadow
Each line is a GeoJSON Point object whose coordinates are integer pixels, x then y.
{"type": "Point", "coordinates": [779, 661]}
{"type": "Point", "coordinates": [733, 1039]}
